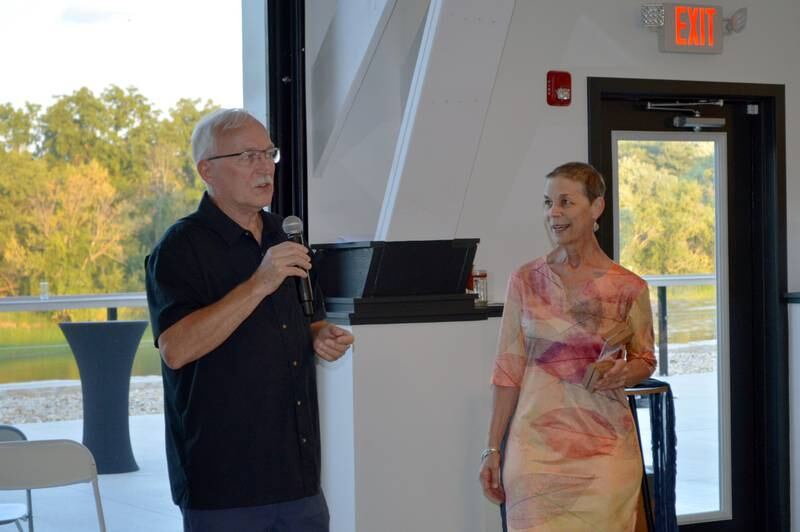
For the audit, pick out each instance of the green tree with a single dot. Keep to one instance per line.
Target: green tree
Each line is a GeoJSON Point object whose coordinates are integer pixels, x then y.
{"type": "Point", "coordinates": [117, 129]}
{"type": "Point", "coordinates": [73, 232]}
{"type": "Point", "coordinates": [171, 187]}
{"type": "Point", "coordinates": [666, 197]}
{"type": "Point", "coordinates": [17, 132]}
{"type": "Point", "coordinates": [21, 178]}
{"type": "Point", "coordinates": [88, 185]}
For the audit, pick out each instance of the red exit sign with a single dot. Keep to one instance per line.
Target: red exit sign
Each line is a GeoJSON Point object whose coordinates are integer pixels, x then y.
{"type": "Point", "coordinates": [693, 29]}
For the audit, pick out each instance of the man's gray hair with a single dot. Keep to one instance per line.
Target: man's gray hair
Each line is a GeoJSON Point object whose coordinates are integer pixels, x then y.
{"type": "Point", "coordinates": [204, 136]}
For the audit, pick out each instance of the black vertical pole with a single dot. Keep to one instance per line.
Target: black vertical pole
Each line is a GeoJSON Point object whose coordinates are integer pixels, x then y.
{"type": "Point", "coordinates": [287, 105]}
{"type": "Point", "coordinates": [663, 358]}
{"type": "Point", "coordinates": [646, 495]}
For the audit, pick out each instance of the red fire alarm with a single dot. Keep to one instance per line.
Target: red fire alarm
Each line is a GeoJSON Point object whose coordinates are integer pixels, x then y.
{"type": "Point", "coordinates": [559, 88]}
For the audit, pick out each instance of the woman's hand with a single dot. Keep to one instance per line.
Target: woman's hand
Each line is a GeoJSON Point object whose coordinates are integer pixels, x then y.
{"type": "Point", "coordinates": [613, 378]}
{"type": "Point", "coordinates": [490, 478]}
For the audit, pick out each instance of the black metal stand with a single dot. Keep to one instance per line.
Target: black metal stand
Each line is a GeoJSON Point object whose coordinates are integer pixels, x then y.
{"type": "Point", "coordinates": [646, 497]}
{"type": "Point", "coordinates": [659, 513]}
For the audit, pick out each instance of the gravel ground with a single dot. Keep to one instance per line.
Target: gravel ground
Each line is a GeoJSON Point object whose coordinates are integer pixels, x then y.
{"type": "Point", "coordinates": [692, 358]}
{"type": "Point", "coordinates": [43, 402]}
{"type": "Point", "coordinates": [40, 403]}
{"type": "Point", "coordinates": [692, 363]}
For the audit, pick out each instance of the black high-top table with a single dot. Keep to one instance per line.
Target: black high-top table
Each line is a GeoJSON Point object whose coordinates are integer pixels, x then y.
{"type": "Point", "coordinates": [104, 351]}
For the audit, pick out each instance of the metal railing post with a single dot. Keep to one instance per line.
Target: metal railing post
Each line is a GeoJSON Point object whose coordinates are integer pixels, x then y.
{"type": "Point", "coordinates": [662, 282]}
{"type": "Point", "coordinates": [663, 353]}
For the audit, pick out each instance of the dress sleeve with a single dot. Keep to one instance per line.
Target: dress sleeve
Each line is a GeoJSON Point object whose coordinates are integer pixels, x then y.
{"type": "Point", "coordinates": [640, 318]}
{"type": "Point", "coordinates": [509, 366]}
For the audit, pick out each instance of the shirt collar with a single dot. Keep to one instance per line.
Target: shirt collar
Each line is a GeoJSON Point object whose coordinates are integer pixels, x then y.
{"type": "Point", "coordinates": [230, 231]}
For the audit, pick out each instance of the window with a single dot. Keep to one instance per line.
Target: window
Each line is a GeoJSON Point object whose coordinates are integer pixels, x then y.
{"type": "Point", "coordinates": [96, 111]}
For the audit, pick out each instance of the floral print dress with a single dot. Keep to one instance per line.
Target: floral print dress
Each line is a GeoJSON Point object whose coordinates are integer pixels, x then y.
{"type": "Point", "coordinates": [572, 460]}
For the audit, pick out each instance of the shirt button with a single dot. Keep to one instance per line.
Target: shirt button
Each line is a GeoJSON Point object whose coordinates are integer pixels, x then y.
{"type": "Point", "coordinates": [283, 326]}
{"type": "Point", "coordinates": [303, 440]}
{"type": "Point", "coordinates": [299, 403]}
{"type": "Point", "coordinates": [294, 363]}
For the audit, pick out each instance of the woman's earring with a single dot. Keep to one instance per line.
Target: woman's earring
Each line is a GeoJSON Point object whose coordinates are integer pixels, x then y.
{"type": "Point", "coordinates": [595, 227]}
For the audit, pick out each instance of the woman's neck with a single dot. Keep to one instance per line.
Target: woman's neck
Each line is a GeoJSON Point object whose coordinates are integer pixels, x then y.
{"type": "Point", "coordinates": [580, 254]}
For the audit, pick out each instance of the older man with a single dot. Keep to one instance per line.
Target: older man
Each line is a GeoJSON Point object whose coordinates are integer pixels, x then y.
{"type": "Point", "coordinates": [242, 422]}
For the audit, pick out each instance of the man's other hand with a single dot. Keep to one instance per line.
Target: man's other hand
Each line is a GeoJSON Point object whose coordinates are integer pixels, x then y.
{"type": "Point", "coordinates": [330, 341]}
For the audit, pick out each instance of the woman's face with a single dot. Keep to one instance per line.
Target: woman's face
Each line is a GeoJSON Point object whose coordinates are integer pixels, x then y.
{"type": "Point", "coordinates": [568, 214]}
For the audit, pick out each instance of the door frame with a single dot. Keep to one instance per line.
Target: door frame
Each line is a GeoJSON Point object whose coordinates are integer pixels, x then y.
{"type": "Point", "coordinates": [286, 105]}
{"type": "Point", "coordinates": [770, 401]}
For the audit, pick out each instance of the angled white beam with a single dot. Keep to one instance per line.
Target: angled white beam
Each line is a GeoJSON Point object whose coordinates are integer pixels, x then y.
{"type": "Point", "coordinates": [338, 72]}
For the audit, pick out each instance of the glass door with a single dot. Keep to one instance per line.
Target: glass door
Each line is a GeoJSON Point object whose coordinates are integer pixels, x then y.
{"type": "Point", "coordinates": [670, 213]}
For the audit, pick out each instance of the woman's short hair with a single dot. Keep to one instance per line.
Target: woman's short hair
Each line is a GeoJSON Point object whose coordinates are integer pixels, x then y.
{"type": "Point", "coordinates": [209, 127]}
{"type": "Point", "coordinates": [593, 184]}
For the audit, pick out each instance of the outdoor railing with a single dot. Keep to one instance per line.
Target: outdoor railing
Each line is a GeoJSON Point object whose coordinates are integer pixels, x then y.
{"type": "Point", "coordinates": [138, 299]}
{"type": "Point", "coordinates": [111, 302]}
{"type": "Point", "coordinates": [661, 282]}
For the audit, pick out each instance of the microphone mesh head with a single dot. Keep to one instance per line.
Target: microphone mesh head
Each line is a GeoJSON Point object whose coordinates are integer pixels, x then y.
{"type": "Point", "coordinates": [292, 225]}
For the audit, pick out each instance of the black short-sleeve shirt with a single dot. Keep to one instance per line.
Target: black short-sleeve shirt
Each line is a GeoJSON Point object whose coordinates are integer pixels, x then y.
{"type": "Point", "coordinates": [242, 422]}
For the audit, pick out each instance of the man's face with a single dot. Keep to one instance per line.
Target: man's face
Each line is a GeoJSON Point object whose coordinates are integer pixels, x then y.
{"type": "Point", "coordinates": [236, 182]}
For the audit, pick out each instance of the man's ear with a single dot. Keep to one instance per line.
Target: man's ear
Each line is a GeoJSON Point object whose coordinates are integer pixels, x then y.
{"type": "Point", "coordinates": [203, 168]}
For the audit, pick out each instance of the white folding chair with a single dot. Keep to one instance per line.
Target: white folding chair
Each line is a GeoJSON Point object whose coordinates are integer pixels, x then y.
{"type": "Point", "coordinates": [26, 465]}
{"type": "Point", "coordinates": [14, 512]}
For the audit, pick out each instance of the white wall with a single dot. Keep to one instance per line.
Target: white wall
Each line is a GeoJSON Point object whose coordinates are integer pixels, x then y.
{"type": "Point", "coordinates": [524, 138]}
{"type": "Point", "coordinates": [519, 138]}
{"type": "Point", "coordinates": [475, 167]}
{"type": "Point", "coordinates": [341, 39]}
{"type": "Point", "coordinates": [353, 143]}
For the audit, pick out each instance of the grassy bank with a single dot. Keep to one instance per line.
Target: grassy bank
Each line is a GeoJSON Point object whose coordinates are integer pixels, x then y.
{"type": "Point", "coordinates": [33, 348]}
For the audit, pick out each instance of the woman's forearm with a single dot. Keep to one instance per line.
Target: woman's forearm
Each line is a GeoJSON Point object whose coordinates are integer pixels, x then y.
{"type": "Point", "coordinates": [636, 371]}
{"type": "Point", "coordinates": [503, 405]}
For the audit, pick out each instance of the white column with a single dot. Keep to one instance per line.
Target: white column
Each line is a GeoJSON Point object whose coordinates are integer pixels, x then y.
{"type": "Point", "coordinates": [404, 417]}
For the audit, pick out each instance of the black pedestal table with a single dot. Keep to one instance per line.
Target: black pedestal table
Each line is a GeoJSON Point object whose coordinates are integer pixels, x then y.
{"type": "Point", "coordinates": [104, 351]}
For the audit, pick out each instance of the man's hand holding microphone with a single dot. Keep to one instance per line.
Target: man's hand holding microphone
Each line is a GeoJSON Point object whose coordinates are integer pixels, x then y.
{"type": "Point", "coordinates": [291, 258]}
{"type": "Point", "coordinates": [281, 261]}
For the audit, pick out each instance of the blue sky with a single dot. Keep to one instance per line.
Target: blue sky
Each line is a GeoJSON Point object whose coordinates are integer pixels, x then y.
{"type": "Point", "coordinates": [168, 49]}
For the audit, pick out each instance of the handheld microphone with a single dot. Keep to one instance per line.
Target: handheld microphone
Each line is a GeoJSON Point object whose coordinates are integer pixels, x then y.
{"type": "Point", "coordinates": [293, 227]}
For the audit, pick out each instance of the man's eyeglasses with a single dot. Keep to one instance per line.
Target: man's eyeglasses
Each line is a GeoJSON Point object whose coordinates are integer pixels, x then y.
{"type": "Point", "coordinates": [251, 157]}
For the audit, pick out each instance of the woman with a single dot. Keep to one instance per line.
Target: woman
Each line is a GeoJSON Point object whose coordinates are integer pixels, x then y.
{"type": "Point", "coordinates": [572, 460]}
